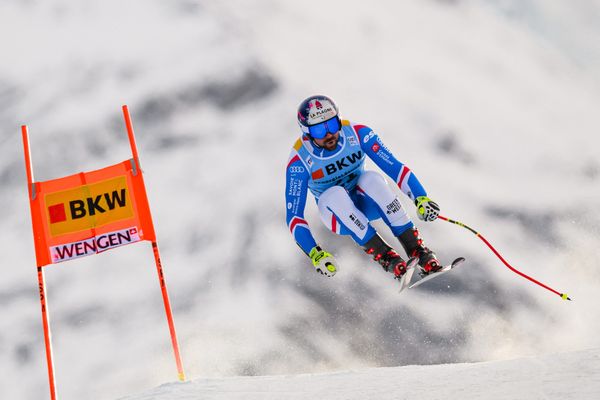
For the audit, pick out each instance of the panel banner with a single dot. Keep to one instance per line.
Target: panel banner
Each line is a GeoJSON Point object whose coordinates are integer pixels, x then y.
{"type": "Point", "coordinates": [89, 212]}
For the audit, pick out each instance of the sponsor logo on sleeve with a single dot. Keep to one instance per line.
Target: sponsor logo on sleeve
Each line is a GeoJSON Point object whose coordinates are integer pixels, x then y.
{"type": "Point", "coordinates": [382, 151]}
{"type": "Point", "coordinates": [295, 207]}
{"type": "Point", "coordinates": [295, 187]}
{"type": "Point", "coordinates": [383, 146]}
{"type": "Point", "coordinates": [368, 137]}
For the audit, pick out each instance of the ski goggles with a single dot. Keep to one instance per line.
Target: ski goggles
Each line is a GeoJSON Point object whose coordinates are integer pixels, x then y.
{"type": "Point", "coordinates": [319, 131]}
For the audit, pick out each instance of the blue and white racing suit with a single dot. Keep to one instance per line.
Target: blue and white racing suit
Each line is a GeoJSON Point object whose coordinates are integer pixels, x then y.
{"type": "Point", "coordinates": [348, 197]}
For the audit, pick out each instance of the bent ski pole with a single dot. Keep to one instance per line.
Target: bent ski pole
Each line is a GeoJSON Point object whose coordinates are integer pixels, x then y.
{"type": "Point", "coordinates": [564, 296]}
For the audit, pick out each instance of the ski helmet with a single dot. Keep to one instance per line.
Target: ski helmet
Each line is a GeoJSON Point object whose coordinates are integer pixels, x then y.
{"type": "Point", "coordinates": [318, 115]}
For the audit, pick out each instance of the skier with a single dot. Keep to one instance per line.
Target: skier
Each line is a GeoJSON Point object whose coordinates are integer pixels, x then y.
{"type": "Point", "coordinates": [328, 159]}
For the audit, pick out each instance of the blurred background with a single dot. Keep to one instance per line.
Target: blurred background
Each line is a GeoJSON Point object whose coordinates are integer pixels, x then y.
{"type": "Point", "coordinates": [492, 103]}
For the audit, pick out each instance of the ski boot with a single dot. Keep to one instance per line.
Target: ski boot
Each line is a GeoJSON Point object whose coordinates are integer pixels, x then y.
{"type": "Point", "coordinates": [413, 245]}
{"type": "Point", "coordinates": [385, 256]}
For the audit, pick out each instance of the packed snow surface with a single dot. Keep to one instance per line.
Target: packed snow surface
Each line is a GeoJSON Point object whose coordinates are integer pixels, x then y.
{"type": "Point", "coordinates": [569, 376]}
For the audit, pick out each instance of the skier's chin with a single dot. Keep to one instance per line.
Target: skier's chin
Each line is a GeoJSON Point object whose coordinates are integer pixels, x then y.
{"type": "Point", "coordinates": [330, 145]}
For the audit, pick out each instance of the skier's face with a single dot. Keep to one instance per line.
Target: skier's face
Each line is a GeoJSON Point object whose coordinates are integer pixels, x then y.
{"type": "Point", "coordinates": [329, 142]}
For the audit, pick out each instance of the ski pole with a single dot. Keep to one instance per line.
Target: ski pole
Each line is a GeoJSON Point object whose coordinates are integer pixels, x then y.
{"type": "Point", "coordinates": [563, 296]}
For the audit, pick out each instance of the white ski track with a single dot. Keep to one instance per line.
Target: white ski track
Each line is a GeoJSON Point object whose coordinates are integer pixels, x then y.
{"type": "Point", "coordinates": [559, 376]}
{"type": "Point", "coordinates": [410, 270]}
{"type": "Point", "coordinates": [444, 269]}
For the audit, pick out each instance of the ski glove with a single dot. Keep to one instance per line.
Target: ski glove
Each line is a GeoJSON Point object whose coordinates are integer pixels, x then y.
{"type": "Point", "coordinates": [427, 209]}
{"type": "Point", "coordinates": [323, 261]}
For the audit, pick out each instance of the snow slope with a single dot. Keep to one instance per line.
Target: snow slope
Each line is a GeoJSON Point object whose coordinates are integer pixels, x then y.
{"type": "Point", "coordinates": [567, 376]}
{"type": "Point", "coordinates": [488, 102]}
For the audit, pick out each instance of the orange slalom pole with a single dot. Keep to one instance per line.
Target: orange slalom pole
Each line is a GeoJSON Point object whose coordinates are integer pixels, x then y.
{"type": "Point", "coordinates": [159, 269]}
{"type": "Point", "coordinates": [41, 280]}
{"type": "Point", "coordinates": [47, 333]}
{"type": "Point", "coordinates": [131, 136]}
{"type": "Point", "coordinates": [27, 152]}
{"type": "Point", "coordinates": [165, 294]}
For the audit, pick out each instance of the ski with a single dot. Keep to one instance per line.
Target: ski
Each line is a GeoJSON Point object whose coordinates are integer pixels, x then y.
{"type": "Point", "coordinates": [442, 271]}
{"type": "Point", "coordinates": [410, 269]}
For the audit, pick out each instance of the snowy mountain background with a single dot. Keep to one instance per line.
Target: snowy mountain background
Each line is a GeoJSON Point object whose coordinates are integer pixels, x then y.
{"type": "Point", "coordinates": [493, 104]}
